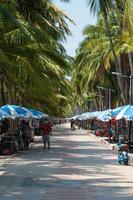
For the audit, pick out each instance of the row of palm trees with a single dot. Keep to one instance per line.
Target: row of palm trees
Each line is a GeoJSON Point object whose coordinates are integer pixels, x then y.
{"type": "Point", "coordinates": [107, 47]}
{"type": "Point", "coordinates": [33, 63]}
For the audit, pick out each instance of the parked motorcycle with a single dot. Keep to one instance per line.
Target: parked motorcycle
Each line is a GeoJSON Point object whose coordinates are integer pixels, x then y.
{"type": "Point", "coordinates": [122, 155]}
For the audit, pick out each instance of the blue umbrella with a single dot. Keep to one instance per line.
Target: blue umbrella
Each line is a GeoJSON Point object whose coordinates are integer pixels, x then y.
{"type": "Point", "coordinates": [37, 114]}
{"type": "Point", "coordinates": [3, 114]}
{"type": "Point", "coordinates": [116, 111]}
{"type": "Point", "coordinates": [105, 116]}
{"type": "Point", "coordinates": [82, 116]}
{"type": "Point", "coordinates": [94, 115]}
{"type": "Point", "coordinates": [126, 112]}
{"type": "Point", "coordinates": [86, 115]}
{"type": "Point", "coordinates": [75, 117]}
{"type": "Point", "coordinates": [16, 111]}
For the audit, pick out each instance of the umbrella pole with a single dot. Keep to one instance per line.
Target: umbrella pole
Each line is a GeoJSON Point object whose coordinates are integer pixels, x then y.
{"type": "Point", "coordinates": [129, 136]}
{"type": "Point", "coordinates": [110, 134]}
{"type": "Point", "coordinates": [10, 128]}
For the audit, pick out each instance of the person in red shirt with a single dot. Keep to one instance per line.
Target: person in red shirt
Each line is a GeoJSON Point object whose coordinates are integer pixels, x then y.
{"type": "Point", "coordinates": [46, 130]}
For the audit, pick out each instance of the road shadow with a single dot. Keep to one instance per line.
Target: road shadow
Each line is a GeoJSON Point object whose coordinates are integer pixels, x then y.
{"type": "Point", "coordinates": [83, 168]}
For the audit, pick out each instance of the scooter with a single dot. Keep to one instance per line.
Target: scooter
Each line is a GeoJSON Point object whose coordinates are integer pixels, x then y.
{"type": "Point", "coordinates": [122, 155]}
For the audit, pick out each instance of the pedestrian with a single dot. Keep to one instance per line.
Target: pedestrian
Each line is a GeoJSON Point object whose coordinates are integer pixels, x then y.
{"type": "Point", "coordinates": [72, 124]}
{"type": "Point", "coordinates": [25, 133]}
{"type": "Point", "coordinates": [110, 133]}
{"type": "Point", "coordinates": [46, 130]}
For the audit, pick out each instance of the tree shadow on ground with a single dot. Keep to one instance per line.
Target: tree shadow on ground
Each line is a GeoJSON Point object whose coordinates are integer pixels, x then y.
{"type": "Point", "coordinates": [71, 169]}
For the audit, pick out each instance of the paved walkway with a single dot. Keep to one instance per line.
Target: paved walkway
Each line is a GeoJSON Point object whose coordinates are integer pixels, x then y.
{"type": "Point", "coordinates": [76, 168]}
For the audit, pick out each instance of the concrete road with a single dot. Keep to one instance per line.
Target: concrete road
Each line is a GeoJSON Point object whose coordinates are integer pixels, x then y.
{"type": "Point", "coordinates": [75, 168]}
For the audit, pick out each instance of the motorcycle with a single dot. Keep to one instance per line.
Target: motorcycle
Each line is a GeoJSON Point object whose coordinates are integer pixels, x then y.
{"type": "Point", "coordinates": [122, 155]}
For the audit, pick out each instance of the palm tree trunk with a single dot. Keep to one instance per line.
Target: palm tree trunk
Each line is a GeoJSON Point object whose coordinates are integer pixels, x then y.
{"type": "Point", "coordinates": [3, 99]}
{"type": "Point", "coordinates": [130, 56]}
{"type": "Point", "coordinates": [125, 85]}
{"type": "Point", "coordinates": [117, 65]}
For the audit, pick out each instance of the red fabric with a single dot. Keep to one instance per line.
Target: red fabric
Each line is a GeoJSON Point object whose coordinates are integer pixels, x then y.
{"type": "Point", "coordinates": [6, 152]}
{"type": "Point", "coordinates": [46, 128]}
{"type": "Point", "coordinates": [113, 121]}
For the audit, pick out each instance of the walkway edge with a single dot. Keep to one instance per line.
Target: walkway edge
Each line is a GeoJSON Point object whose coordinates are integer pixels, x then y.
{"type": "Point", "coordinates": [110, 146]}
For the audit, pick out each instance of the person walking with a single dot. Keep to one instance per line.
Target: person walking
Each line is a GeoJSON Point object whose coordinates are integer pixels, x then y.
{"type": "Point", "coordinates": [46, 130]}
{"type": "Point", "coordinates": [25, 134]}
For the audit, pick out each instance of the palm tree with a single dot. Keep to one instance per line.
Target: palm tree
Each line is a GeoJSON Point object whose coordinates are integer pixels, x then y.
{"type": "Point", "coordinates": [33, 62]}
{"type": "Point", "coordinates": [104, 6]}
{"type": "Point", "coordinates": [93, 61]}
{"type": "Point", "coordinates": [97, 6]}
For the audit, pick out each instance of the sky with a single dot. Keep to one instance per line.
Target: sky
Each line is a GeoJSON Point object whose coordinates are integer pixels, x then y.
{"type": "Point", "coordinates": [78, 11]}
